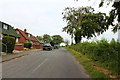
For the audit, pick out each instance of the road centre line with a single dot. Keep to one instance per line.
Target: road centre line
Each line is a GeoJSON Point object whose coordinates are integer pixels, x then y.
{"type": "Point", "coordinates": [40, 64]}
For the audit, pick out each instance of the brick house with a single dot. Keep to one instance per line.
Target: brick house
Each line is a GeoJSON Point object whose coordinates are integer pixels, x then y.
{"type": "Point", "coordinates": [27, 37]}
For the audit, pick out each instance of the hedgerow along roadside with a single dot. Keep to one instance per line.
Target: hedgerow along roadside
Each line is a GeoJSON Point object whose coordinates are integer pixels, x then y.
{"type": "Point", "coordinates": [107, 53]}
{"type": "Point", "coordinates": [88, 65]}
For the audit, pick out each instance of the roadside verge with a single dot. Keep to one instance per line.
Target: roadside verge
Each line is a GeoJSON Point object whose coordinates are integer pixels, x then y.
{"type": "Point", "coordinates": [89, 66]}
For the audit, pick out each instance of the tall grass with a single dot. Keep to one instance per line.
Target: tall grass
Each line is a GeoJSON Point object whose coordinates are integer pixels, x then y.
{"type": "Point", "coordinates": [107, 53]}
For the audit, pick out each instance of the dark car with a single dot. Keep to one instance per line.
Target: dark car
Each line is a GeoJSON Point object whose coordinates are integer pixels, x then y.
{"type": "Point", "coordinates": [47, 46]}
{"type": "Point", "coordinates": [56, 46]}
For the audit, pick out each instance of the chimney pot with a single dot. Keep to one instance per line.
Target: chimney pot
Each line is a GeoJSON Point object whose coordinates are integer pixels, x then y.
{"type": "Point", "coordinates": [25, 30]}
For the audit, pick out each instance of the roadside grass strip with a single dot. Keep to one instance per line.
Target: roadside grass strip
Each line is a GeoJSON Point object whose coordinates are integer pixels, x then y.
{"type": "Point", "coordinates": [91, 68]}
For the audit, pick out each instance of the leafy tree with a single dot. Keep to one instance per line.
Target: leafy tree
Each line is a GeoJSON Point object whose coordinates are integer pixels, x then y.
{"type": "Point", "coordinates": [83, 22]}
{"type": "Point", "coordinates": [73, 17]}
{"type": "Point", "coordinates": [52, 43]}
{"type": "Point", "coordinates": [46, 38]}
{"type": "Point", "coordinates": [57, 39]}
{"type": "Point", "coordinates": [67, 42]}
{"type": "Point", "coordinates": [40, 38]}
{"type": "Point", "coordinates": [114, 13]}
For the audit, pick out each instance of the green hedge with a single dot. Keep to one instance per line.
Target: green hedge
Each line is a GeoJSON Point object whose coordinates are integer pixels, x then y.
{"type": "Point", "coordinates": [28, 45]}
{"type": "Point", "coordinates": [103, 51]}
{"type": "Point", "coordinates": [9, 42]}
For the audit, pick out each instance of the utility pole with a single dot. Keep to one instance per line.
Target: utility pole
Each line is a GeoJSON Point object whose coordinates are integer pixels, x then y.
{"type": "Point", "coordinates": [119, 35]}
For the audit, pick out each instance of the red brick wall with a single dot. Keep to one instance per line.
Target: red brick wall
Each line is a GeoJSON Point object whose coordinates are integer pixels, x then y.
{"type": "Point", "coordinates": [40, 46]}
{"type": "Point", "coordinates": [19, 47]}
{"type": "Point", "coordinates": [21, 39]}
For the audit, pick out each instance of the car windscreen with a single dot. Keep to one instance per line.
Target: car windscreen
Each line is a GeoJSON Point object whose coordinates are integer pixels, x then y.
{"type": "Point", "coordinates": [47, 45]}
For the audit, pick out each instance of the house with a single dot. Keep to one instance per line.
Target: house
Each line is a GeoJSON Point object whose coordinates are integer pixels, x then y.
{"type": "Point", "coordinates": [7, 30]}
{"type": "Point", "coordinates": [27, 37]}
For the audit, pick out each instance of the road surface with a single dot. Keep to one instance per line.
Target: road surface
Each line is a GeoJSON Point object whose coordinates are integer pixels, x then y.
{"type": "Point", "coordinates": [58, 63]}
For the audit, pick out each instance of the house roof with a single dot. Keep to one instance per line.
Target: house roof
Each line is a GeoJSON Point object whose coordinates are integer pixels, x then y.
{"type": "Point", "coordinates": [24, 34]}
{"type": "Point", "coordinates": [10, 31]}
{"type": "Point", "coordinates": [33, 38]}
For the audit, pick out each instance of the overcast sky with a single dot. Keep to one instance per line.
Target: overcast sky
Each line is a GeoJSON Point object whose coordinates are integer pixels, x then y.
{"type": "Point", "coordinates": [44, 16]}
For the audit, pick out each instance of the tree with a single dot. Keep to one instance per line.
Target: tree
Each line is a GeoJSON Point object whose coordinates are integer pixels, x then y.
{"type": "Point", "coordinates": [52, 43]}
{"type": "Point", "coordinates": [40, 38]}
{"type": "Point", "coordinates": [113, 15]}
{"type": "Point", "coordinates": [67, 42]}
{"type": "Point", "coordinates": [73, 17]}
{"type": "Point", "coordinates": [83, 22]}
{"type": "Point", "coordinates": [46, 38]}
{"type": "Point", "coordinates": [57, 39]}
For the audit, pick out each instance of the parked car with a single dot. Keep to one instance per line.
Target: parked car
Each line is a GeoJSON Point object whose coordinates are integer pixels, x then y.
{"type": "Point", "coordinates": [56, 46]}
{"type": "Point", "coordinates": [47, 46]}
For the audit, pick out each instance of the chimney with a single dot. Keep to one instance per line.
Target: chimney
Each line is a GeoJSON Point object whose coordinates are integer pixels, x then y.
{"type": "Point", "coordinates": [25, 30]}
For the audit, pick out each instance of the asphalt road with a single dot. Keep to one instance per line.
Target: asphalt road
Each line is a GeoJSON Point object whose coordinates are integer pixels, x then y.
{"type": "Point", "coordinates": [58, 63]}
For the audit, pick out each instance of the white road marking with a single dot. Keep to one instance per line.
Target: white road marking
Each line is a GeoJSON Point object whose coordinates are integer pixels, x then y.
{"type": "Point", "coordinates": [40, 64]}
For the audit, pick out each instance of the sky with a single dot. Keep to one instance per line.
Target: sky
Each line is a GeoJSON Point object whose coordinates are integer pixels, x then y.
{"type": "Point", "coordinates": [45, 16]}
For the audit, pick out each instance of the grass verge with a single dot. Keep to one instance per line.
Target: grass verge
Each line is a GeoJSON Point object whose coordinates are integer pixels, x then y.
{"type": "Point", "coordinates": [88, 65]}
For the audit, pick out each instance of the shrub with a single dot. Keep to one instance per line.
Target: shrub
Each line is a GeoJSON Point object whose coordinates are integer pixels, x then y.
{"type": "Point", "coordinates": [9, 42]}
{"type": "Point", "coordinates": [103, 51]}
{"type": "Point", "coordinates": [28, 45]}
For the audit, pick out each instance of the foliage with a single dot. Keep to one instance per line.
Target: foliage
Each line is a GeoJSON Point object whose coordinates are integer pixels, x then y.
{"type": "Point", "coordinates": [83, 22]}
{"type": "Point", "coordinates": [46, 38]}
{"type": "Point", "coordinates": [40, 38]}
{"type": "Point", "coordinates": [52, 43]}
{"type": "Point", "coordinates": [28, 45]}
{"type": "Point", "coordinates": [57, 39]}
{"type": "Point", "coordinates": [102, 51]}
{"type": "Point", "coordinates": [88, 65]}
{"type": "Point", "coordinates": [9, 42]}
{"type": "Point", "coordinates": [114, 14]}
{"type": "Point", "coordinates": [67, 42]}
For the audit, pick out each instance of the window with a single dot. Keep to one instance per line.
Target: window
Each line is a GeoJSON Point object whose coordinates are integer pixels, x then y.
{"type": "Point", "coordinates": [17, 32]}
{"type": "Point", "coordinates": [5, 26]}
{"type": "Point", "coordinates": [29, 35]}
{"type": "Point", "coordinates": [16, 39]}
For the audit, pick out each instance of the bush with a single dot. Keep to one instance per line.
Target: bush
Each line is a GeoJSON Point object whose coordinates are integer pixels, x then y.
{"type": "Point", "coordinates": [9, 42]}
{"type": "Point", "coordinates": [28, 45]}
{"type": "Point", "coordinates": [103, 51]}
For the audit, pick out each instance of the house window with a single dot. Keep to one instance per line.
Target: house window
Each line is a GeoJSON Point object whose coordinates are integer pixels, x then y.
{"type": "Point", "coordinates": [17, 32]}
{"type": "Point", "coordinates": [5, 26]}
{"type": "Point", "coordinates": [29, 35]}
{"type": "Point", "coordinates": [17, 39]}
